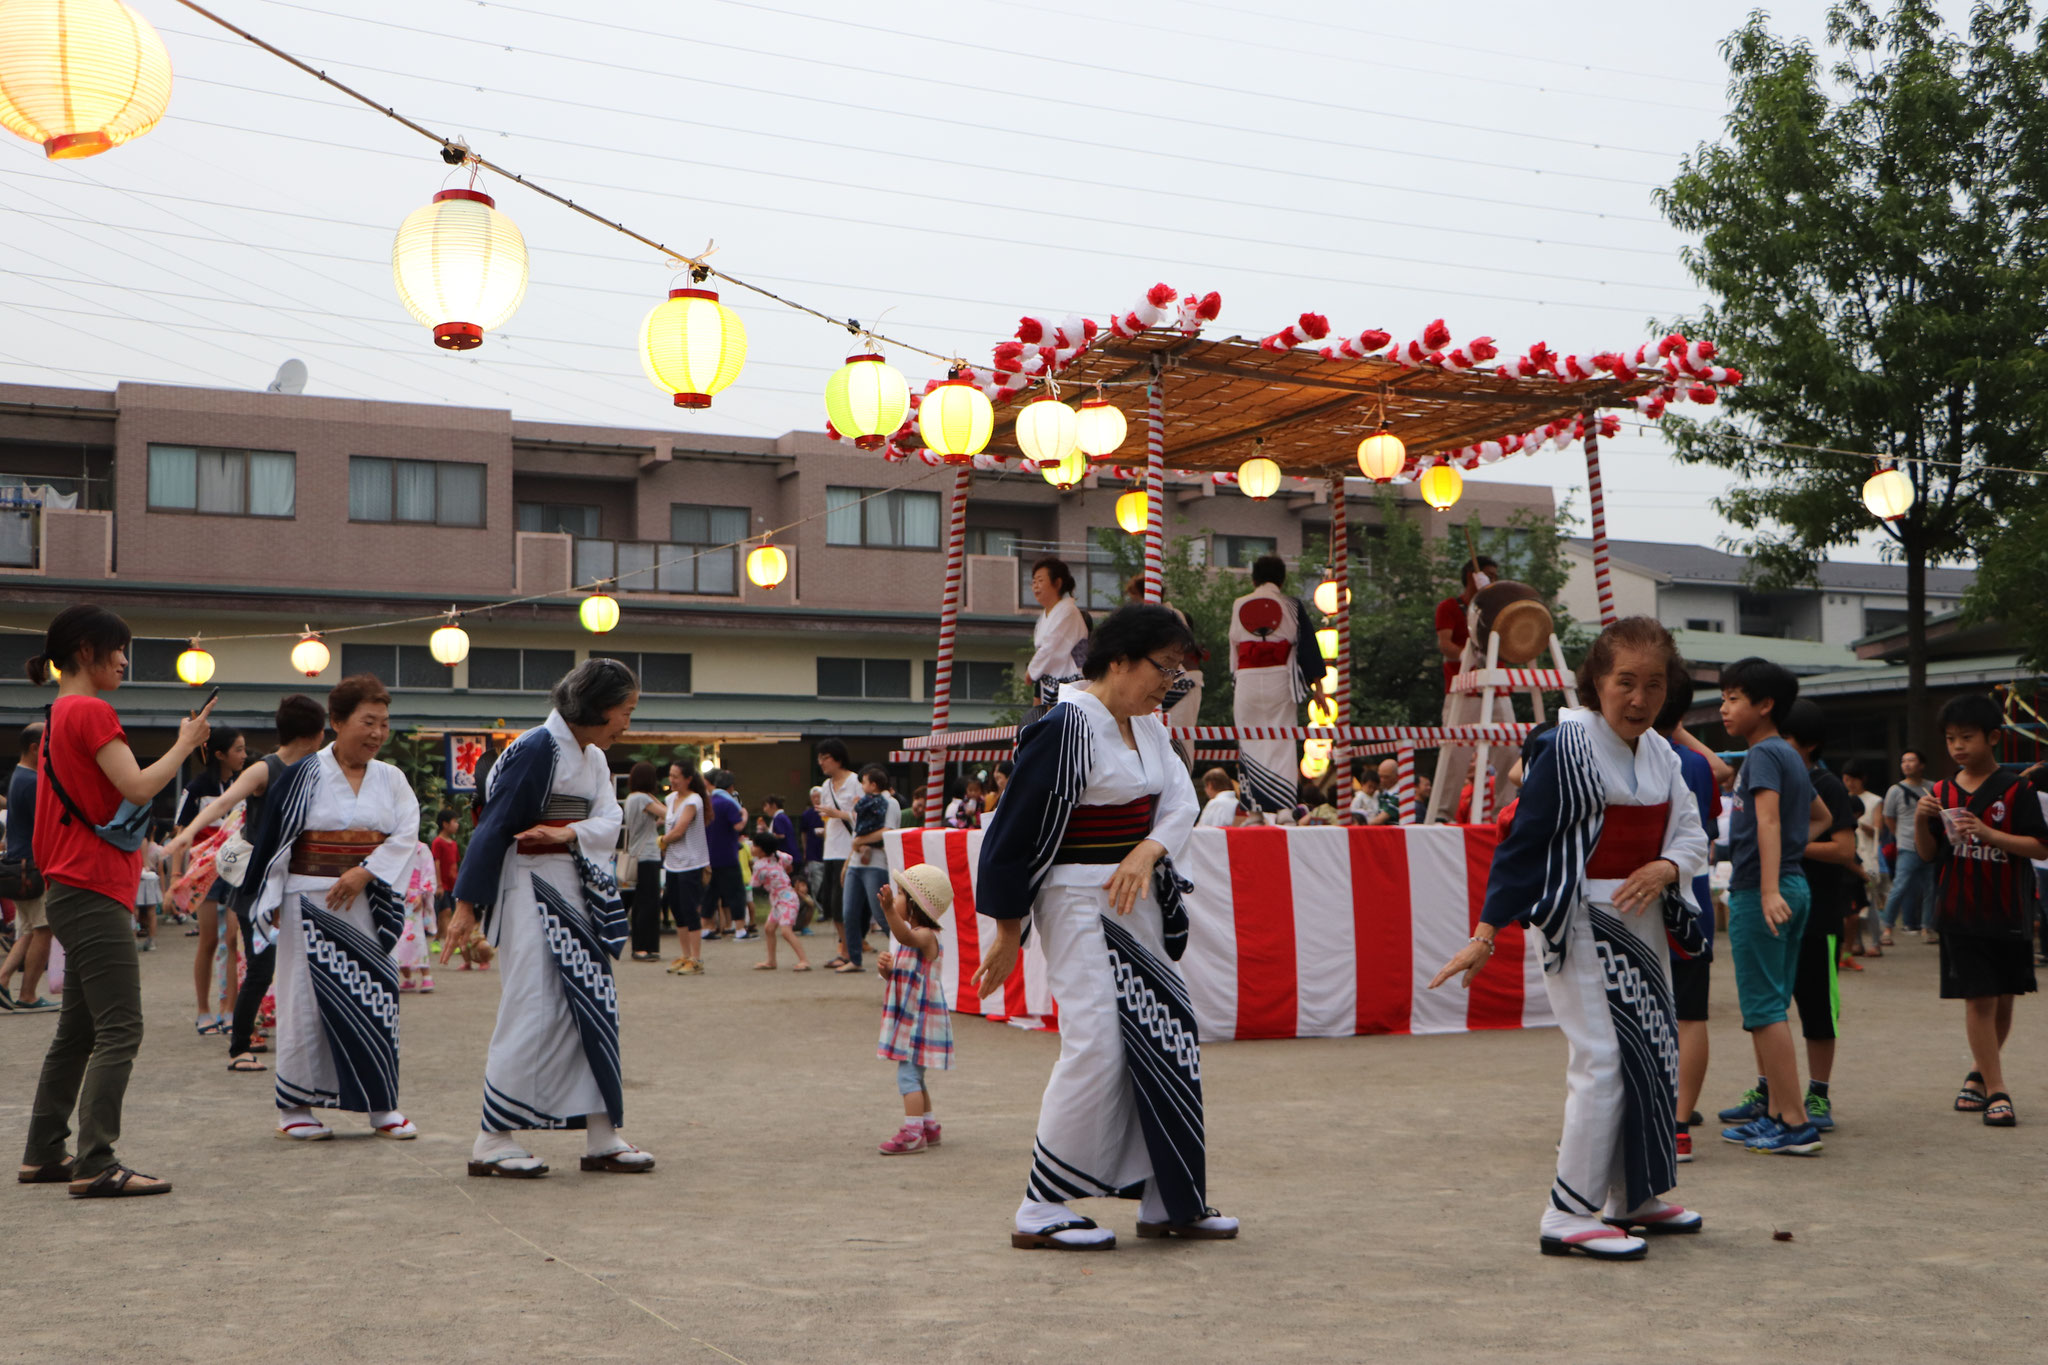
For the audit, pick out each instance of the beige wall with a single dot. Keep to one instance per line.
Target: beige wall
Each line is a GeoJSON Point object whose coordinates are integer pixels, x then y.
{"type": "Point", "coordinates": [1635, 589]}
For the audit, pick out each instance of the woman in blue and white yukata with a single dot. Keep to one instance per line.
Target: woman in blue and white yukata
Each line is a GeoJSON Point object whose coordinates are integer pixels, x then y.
{"type": "Point", "coordinates": [538, 874]}
{"type": "Point", "coordinates": [1081, 846]}
{"type": "Point", "coordinates": [1599, 857]}
{"type": "Point", "coordinates": [333, 852]}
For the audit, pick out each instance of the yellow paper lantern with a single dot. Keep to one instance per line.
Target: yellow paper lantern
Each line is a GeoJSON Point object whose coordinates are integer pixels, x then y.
{"type": "Point", "coordinates": [1099, 427]}
{"type": "Point", "coordinates": [1131, 511]}
{"type": "Point", "coordinates": [1888, 494]}
{"type": "Point", "coordinates": [1322, 712]}
{"type": "Point", "coordinates": [1313, 766]}
{"type": "Point", "coordinates": [599, 613]}
{"type": "Point", "coordinates": [1329, 596]}
{"type": "Point", "coordinates": [1258, 478]}
{"type": "Point", "coordinates": [1381, 456]}
{"type": "Point", "coordinates": [866, 399]}
{"type": "Point", "coordinates": [1441, 485]}
{"type": "Point", "coordinates": [1326, 641]}
{"type": "Point", "coordinates": [1048, 432]}
{"type": "Point", "coordinates": [310, 656]}
{"type": "Point", "coordinates": [693, 346]}
{"type": "Point", "coordinates": [449, 645]}
{"type": "Point", "coordinates": [1067, 472]}
{"type": "Point", "coordinates": [767, 566]}
{"type": "Point", "coordinates": [80, 77]}
{"type": "Point", "coordinates": [460, 267]}
{"type": "Point", "coordinates": [194, 666]}
{"type": "Point", "coordinates": [1330, 680]}
{"type": "Point", "coordinates": [956, 421]}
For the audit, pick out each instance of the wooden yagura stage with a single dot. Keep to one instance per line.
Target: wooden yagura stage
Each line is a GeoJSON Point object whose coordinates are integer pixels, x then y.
{"type": "Point", "coordinates": [1306, 932]}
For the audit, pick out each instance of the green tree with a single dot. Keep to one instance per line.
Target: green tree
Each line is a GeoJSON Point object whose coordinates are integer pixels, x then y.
{"type": "Point", "coordinates": [2010, 579]}
{"type": "Point", "coordinates": [1872, 230]}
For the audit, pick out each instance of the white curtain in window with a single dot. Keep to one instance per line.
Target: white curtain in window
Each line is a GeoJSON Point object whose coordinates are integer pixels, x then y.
{"type": "Point", "coordinates": [920, 520]}
{"type": "Point", "coordinates": [369, 489]}
{"type": "Point", "coordinates": [462, 494]}
{"type": "Point", "coordinates": [412, 491]}
{"type": "Point", "coordinates": [884, 519]}
{"type": "Point", "coordinates": [842, 516]}
{"type": "Point", "coordinates": [221, 488]}
{"type": "Point", "coordinates": [727, 525]}
{"type": "Point", "coordinates": [273, 479]}
{"type": "Point", "coordinates": [173, 477]}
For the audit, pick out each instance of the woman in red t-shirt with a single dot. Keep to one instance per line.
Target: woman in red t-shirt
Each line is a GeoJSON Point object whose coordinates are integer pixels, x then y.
{"type": "Point", "coordinates": [91, 903]}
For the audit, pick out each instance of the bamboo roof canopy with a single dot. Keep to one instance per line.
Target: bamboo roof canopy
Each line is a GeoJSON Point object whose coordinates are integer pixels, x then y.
{"type": "Point", "coordinates": [1306, 413]}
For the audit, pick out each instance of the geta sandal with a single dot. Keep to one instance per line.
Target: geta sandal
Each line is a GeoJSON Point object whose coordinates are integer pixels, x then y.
{"type": "Point", "coordinates": [1044, 1240]}
{"type": "Point", "coordinates": [1192, 1232]}
{"type": "Point", "coordinates": [499, 1168]}
{"type": "Point", "coordinates": [115, 1183]}
{"type": "Point", "coordinates": [610, 1164]}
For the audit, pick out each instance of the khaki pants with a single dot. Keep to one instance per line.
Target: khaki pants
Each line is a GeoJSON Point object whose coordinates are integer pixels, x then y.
{"type": "Point", "coordinates": [99, 1031]}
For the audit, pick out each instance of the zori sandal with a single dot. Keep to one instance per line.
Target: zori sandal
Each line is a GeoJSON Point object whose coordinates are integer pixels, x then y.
{"type": "Point", "coordinates": [1604, 1244]}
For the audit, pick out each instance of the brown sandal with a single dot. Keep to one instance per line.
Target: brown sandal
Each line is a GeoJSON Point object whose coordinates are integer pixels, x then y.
{"type": "Point", "coordinates": [50, 1173]}
{"type": "Point", "coordinates": [115, 1183]}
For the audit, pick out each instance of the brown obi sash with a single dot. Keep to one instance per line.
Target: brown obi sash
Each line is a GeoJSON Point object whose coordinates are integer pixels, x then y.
{"type": "Point", "coordinates": [1629, 837]}
{"type": "Point", "coordinates": [1105, 834]}
{"type": "Point", "coordinates": [1264, 653]}
{"type": "Point", "coordinates": [331, 852]}
{"type": "Point", "coordinates": [536, 849]}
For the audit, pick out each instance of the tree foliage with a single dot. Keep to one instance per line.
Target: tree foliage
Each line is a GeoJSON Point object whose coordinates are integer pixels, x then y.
{"type": "Point", "coordinates": [1872, 229]}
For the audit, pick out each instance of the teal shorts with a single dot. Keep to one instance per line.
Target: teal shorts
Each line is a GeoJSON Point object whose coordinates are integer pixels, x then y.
{"type": "Point", "coordinates": [1766, 966]}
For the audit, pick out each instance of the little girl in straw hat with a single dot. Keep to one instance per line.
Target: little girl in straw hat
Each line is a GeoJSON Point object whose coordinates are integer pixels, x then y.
{"type": "Point", "coordinates": [917, 1032]}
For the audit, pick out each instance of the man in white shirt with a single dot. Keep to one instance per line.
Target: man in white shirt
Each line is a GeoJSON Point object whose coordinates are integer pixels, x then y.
{"type": "Point", "coordinates": [1221, 810]}
{"type": "Point", "coordinates": [835, 802]}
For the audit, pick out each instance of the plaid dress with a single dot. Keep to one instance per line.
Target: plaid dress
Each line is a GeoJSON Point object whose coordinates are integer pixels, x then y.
{"type": "Point", "coordinates": [915, 1024]}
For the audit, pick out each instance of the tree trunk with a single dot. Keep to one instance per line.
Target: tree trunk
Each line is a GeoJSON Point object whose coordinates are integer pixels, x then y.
{"type": "Point", "coordinates": [1917, 725]}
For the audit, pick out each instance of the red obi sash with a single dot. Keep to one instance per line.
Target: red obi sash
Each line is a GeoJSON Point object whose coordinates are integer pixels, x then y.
{"type": "Point", "coordinates": [1264, 653]}
{"type": "Point", "coordinates": [1629, 837]}
{"type": "Point", "coordinates": [1105, 834]}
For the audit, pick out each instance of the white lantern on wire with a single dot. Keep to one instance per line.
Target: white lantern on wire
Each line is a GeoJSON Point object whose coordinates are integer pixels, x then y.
{"type": "Point", "coordinates": [1888, 494]}
{"type": "Point", "coordinates": [1100, 427]}
{"type": "Point", "coordinates": [460, 267]}
{"type": "Point", "coordinates": [80, 77]}
{"type": "Point", "coordinates": [1048, 432]}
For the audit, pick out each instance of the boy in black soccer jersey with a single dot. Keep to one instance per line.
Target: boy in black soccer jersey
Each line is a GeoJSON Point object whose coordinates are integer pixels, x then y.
{"type": "Point", "coordinates": [1979, 829]}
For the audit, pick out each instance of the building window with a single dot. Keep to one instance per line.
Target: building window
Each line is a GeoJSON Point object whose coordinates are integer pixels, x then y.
{"type": "Point", "coordinates": [973, 679]}
{"type": "Point", "coordinates": [517, 670]}
{"type": "Point", "coordinates": [423, 492]}
{"type": "Point", "coordinates": [400, 666]}
{"type": "Point", "coordinates": [1713, 627]}
{"type": "Point", "coordinates": [223, 483]}
{"type": "Point", "coordinates": [989, 540]}
{"type": "Point", "coordinates": [151, 661]}
{"type": "Point", "coordinates": [659, 674]}
{"type": "Point", "coordinates": [698, 534]}
{"type": "Point", "coordinates": [880, 679]}
{"type": "Point", "coordinates": [1238, 552]}
{"type": "Point", "coordinates": [870, 516]}
{"type": "Point", "coordinates": [1878, 619]}
{"type": "Point", "coordinates": [574, 519]}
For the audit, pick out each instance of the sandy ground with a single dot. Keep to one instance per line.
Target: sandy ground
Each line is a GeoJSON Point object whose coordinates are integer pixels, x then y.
{"type": "Point", "coordinates": [1389, 1188]}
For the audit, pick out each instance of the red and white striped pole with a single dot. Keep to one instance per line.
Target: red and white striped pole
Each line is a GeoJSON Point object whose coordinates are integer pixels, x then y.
{"type": "Point", "coordinates": [1155, 482]}
{"type": "Point", "coordinates": [1404, 784]}
{"type": "Point", "coordinates": [1340, 570]}
{"type": "Point", "coordinates": [1603, 580]}
{"type": "Point", "coordinates": [942, 673]}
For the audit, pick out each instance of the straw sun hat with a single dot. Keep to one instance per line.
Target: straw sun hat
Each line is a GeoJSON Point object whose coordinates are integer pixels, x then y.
{"type": "Point", "coordinates": [928, 886]}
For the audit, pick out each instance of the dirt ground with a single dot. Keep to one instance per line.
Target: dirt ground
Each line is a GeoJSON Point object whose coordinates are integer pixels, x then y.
{"type": "Point", "coordinates": [1389, 1189]}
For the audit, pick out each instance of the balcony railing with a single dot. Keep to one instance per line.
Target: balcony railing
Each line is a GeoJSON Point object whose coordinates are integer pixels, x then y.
{"type": "Point", "coordinates": [655, 566]}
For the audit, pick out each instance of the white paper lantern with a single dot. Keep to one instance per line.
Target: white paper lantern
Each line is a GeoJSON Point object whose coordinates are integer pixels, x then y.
{"type": "Point", "coordinates": [460, 267]}
{"type": "Point", "coordinates": [1048, 432]}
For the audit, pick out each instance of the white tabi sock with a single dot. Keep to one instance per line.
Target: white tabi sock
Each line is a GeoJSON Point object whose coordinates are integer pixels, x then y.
{"type": "Point", "coordinates": [1032, 1216]}
{"type": "Point", "coordinates": [494, 1145]}
{"type": "Point", "coordinates": [600, 1138]}
{"type": "Point", "coordinates": [1152, 1209]}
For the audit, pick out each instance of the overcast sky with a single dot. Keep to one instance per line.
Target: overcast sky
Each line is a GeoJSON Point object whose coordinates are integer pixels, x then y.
{"type": "Point", "coordinates": [952, 165]}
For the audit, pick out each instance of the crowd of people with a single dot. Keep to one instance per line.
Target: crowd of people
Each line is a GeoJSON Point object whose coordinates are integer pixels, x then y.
{"type": "Point", "coordinates": [316, 903]}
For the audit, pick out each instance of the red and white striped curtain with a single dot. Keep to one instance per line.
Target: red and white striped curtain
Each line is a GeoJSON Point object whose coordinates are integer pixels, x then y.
{"type": "Point", "coordinates": [1312, 932]}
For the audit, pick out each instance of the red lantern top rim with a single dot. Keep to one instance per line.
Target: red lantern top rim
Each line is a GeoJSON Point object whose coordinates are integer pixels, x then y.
{"type": "Point", "coordinates": [1097, 403]}
{"type": "Point", "coordinates": [857, 359]}
{"type": "Point", "coordinates": [955, 383]}
{"type": "Point", "coordinates": [474, 196]}
{"type": "Point", "coordinates": [711, 294]}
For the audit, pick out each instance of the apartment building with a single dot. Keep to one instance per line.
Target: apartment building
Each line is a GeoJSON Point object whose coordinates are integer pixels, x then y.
{"type": "Point", "coordinates": [243, 518]}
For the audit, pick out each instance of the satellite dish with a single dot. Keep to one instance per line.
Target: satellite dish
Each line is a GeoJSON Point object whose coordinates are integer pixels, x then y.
{"type": "Point", "coordinates": [291, 378]}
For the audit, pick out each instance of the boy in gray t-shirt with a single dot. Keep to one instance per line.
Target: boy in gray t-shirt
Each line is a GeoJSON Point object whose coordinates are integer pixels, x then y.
{"type": "Point", "coordinates": [1768, 902]}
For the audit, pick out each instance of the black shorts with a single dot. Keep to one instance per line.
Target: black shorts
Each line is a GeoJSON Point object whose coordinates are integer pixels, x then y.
{"type": "Point", "coordinates": [1813, 988]}
{"type": "Point", "coordinates": [1972, 968]}
{"type": "Point", "coordinates": [1689, 978]}
{"type": "Point", "coordinates": [682, 892]}
{"type": "Point", "coordinates": [729, 890]}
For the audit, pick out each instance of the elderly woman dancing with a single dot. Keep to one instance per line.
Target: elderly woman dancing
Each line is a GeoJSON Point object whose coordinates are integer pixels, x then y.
{"type": "Point", "coordinates": [1082, 846]}
{"type": "Point", "coordinates": [334, 849]}
{"type": "Point", "coordinates": [1606, 830]}
{"type": "Point", "coordinates": [537, 872]}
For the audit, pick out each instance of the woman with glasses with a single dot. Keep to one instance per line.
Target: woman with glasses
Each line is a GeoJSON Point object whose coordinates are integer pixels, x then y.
{"type": "Point", "coordinates": [1276, 664]}
{"type": "Point", "coordinates": [1082, 846]}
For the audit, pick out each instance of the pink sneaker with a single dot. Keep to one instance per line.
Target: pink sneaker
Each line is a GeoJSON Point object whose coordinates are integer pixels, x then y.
{"type": "Point", "coordinates": [909, 1138]}
{"type": "Point", "coordinates": [426, 985]}
{"type": "Point", "coordinates": [931, 1133]}
{"type": "Point", "coordinates": [407, 986]}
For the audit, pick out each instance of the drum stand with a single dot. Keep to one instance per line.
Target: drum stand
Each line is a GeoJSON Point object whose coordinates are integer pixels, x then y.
{"type": "Point", "coordinates": [1491, 681]}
